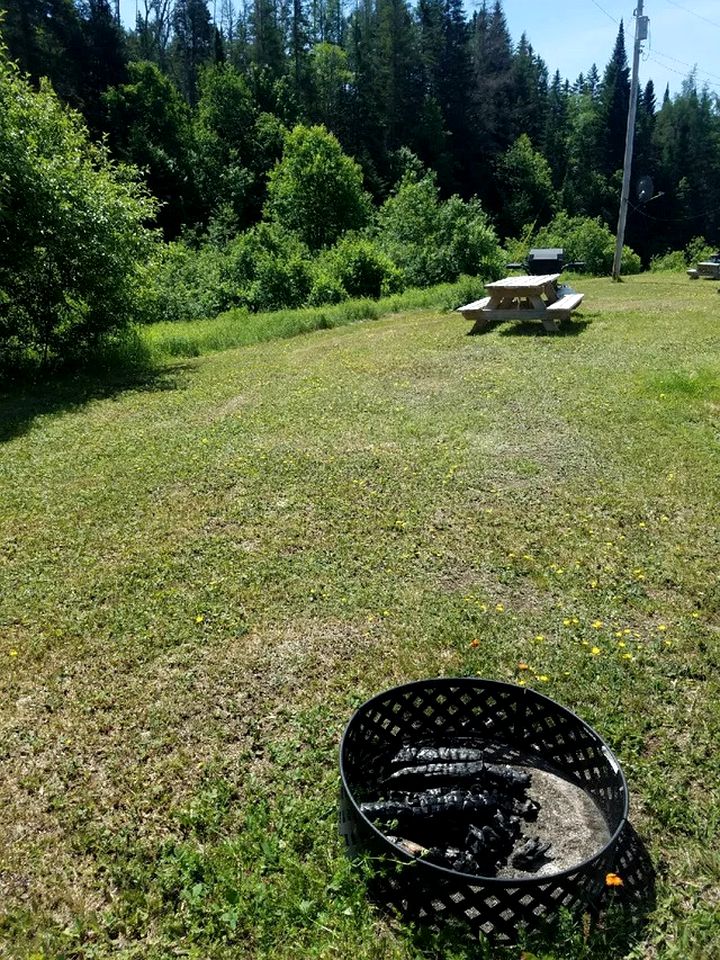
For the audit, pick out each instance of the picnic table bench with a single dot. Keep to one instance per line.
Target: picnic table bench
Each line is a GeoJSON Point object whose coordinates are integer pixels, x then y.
{"type": "Point", "coordinates": [523, 298]}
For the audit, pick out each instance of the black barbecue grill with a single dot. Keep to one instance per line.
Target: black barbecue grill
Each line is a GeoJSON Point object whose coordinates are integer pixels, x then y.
{"type": "Point", "coordinates": [544, 260]}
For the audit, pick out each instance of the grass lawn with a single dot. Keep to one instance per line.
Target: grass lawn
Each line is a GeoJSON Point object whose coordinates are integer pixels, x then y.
{"type": "Point", "coordinates": [202, 575]}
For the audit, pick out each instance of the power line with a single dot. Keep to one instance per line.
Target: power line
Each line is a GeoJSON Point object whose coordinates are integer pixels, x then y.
{"type": "Point", "coordinates": [614, 20]}
{"type": "Point", "coordinates": [681, 74]}
{"type": "Point", "coordinates": [695, 216]}
{"type": "Point", "coordinates": [693, 13]}
{"type": "Point", "coordinates": [690, 66]}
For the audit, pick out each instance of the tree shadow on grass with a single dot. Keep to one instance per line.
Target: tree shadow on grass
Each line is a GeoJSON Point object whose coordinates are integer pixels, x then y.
{"type": "Point", "coordinates": [22, 404]}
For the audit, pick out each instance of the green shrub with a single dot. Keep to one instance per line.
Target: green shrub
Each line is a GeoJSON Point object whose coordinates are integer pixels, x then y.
{"type": "Point", "coordinates": [326, 289]}
{"type": "Point", "coordinates": [673, 260]}
{"type": "Point", "coordinates": [434, 242]}
{"type": "Point", "coordinates": [279, 284]}
{"type": "Point", "coordinates": [260, 269]}
{"type": "Point", "coordinates": [362, 269]}
{"type": "Point", "coordinates": [183, 283]}
{"type": "Point", "coordinates": [698, 249]}
{"type": "Point", "coordinates": [72, 237]}
{"type": "Point", "coordinates": [266, 268]}
{"type": "Point", "coordinates": [316, 190]}
{"type": "Point", "coordinates": [587, 239]}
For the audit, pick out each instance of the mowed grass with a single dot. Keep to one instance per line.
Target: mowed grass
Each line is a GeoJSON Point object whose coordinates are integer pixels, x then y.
{"type": "Point", "coordinates": [202, 576]}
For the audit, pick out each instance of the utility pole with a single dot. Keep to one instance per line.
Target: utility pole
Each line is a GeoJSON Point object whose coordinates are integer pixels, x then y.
{"type": "Point", "coordinates": [641, 32]}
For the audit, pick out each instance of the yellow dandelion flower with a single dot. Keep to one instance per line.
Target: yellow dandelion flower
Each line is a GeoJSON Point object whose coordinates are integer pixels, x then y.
{"type": "Point", "coordinates": [662, 627]}
{"type": "Point", "coordinates": [567, 621]}
{"type": "Point", "coordinates": [627, 631]}
{"type": "Point", "coordinates": [199, 618]}
{"type": "Point", "coordinates": [13, 653]}
{"type": "Point", "coordinates": [575, 620]}
{"type": "Point", "coordinates": [597, 624]}
{"type": "Point", "coordinates": [618, 633]}
{"type": "Point", "coordinates": [613, 880]}
{"type": "Point", "coordinates": [595, 651]}
{"type": "Point", "coordinates": [540, 637]}
{"type": "Point", "coordinates": [694, 614]}
{"type": "Point", "coordinates": [499, 607]}
{"type": "Point", "coordinates": [542, 677]}
{"type": "Point", "coordinates": [593, 584]}
{"type": "Point", "coordinates": [621, 643]}
{"type": "Point", "coordinates": [627, 656]}
{"type": "Point", "coordinates": [483, 607]}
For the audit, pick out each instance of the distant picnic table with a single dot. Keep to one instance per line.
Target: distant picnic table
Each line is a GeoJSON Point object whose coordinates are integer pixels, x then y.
{"type": "Point", "coordinates": [523, 298]}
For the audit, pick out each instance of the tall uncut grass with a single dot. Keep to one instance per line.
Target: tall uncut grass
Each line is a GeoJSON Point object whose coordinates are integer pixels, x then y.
{"type": "Point", "coordinates": [237, 328]}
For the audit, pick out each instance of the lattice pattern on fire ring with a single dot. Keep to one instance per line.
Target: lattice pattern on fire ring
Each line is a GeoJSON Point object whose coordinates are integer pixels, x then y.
{"type": "Point", "coordinates": [523, 722]}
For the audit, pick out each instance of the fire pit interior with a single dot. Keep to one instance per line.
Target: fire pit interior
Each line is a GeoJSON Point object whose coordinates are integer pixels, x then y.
{"type": "Point", "coordinates": [484, 802]}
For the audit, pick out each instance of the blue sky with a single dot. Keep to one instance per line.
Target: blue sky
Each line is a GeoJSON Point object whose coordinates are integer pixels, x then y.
{"type": "Point", "coordinates": [570, 37]}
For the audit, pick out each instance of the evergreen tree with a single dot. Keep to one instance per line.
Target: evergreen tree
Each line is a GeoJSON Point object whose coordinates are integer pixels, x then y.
{"type": "Point", "coordinates": [193, 44]}
{"type": "Point", "coordinates": [528, 92]}
{"type": "Point", "coordinates": [614, 102]}
{"type": "Point", "coordinates": [149, 125]}
{"type": "Point", "coordinates": [266, 37]}
{"type": "Point", "coordinates": [443, 39]}
{"type": "Point", "coordinates": [104, 58]}
{"type": "Point", "coordinates": [556, 132]}
{"type": "Point", "coordinates": [491, 59]}
{"type": "Point", "coordinates": [44, 37]}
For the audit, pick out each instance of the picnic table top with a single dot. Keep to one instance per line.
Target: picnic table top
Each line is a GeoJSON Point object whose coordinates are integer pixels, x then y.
{"type": "Point", "coordinates": [531, 282]}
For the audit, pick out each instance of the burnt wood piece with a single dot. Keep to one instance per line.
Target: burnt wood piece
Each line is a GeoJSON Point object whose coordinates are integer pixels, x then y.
{"type": "Point", "coordinates": [501, 776]}
{"type": "Point", "coordinates": [428, 754]}
{"type": "Point", "coordinates": [431, 806]}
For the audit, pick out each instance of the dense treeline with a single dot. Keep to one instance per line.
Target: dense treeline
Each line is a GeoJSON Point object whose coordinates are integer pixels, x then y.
{"type": "Point", "coordinates": [201, 105]}
{"type": "Point", "coordinates": [296, 154]}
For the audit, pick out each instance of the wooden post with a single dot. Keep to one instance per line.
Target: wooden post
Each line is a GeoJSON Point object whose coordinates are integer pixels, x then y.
{"type": "Point", "coordinates": [640, 35]}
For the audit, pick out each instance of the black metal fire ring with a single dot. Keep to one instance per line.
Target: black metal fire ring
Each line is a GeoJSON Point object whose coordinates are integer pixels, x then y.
{"type": "Point", "coordinates": [524, 721]}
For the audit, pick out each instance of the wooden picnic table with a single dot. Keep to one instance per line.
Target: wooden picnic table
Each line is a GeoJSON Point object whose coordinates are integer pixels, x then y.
{"type": "Point", "coordinates": [523, 298]}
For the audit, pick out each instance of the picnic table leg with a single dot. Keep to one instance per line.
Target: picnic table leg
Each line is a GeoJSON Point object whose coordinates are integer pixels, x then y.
{"type": "Point", "coordinates": [551, 293]}
{"type": "Point", "coordinates": [481, 323]}
{"type": "Point", "coordinates": [550, 324]}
